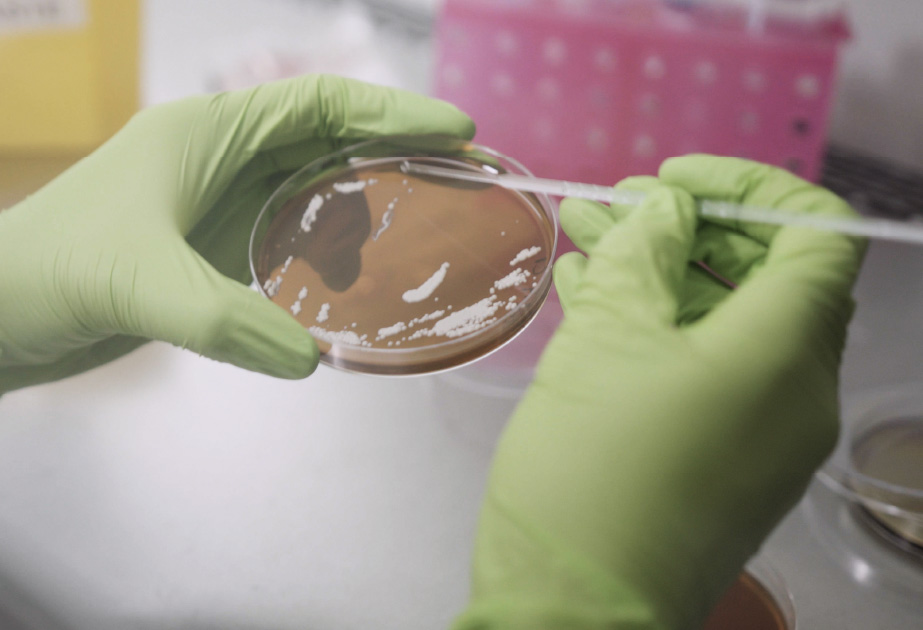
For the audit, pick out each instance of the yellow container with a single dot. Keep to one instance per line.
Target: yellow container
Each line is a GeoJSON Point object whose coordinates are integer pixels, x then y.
{"type": "Point", "coordinates": [68, 80]}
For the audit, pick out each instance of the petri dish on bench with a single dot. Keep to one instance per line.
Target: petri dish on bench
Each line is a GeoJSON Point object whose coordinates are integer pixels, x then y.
{"type": "Point", "coordinates": [878, 464]}
{"type": "Point", "coordinates": [399, 274]}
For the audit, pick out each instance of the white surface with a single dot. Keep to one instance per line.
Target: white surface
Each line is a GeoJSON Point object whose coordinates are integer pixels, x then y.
{"type": "Point", "coordinates": [166, 490]}
{"type": "Point", "coordinates": [169, 491]}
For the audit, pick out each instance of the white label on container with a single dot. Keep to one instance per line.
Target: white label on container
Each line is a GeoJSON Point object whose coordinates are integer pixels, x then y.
{"type": "Point", "coordinates": [40, 15]}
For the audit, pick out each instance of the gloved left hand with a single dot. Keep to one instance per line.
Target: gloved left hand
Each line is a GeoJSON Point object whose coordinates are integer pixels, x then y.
{"type": "Point", "coordinates": [147, 237]}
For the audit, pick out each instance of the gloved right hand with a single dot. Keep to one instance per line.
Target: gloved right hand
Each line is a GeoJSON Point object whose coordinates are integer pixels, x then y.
{"type": "Point", "coordinates": [668, 429]}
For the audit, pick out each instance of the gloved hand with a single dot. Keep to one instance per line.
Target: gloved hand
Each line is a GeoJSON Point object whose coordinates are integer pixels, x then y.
{"type": "Point", "coordinates": [147, 237]}
{"type": "Point", "coordinates": [672, 422]}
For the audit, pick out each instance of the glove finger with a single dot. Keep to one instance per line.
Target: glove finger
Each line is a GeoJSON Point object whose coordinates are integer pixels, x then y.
{"type": "Point", "coordinates": [568, 272]}
{"type": "Point", "coordinates": [585, 221]}
{"type": "Point", "coordinates": [750, 183]}
{"type": "Point", "coordinates": [732, 255]}
{"type": "Point", "coordinates": [699, 293]}
{"type": "Point", "coordinates": [800, 298]}
{"type": "Point", "coordinates": [637, 267]}
{"type": "Point", "coordinates": [638, 183]}
{"type": "Point", "coordinates": [287, 112]}
{"type": "Point", "coordinates": [191, 305]}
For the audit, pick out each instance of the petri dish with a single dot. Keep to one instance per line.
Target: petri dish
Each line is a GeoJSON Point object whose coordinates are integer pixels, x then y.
{"type": "Point", "coordinates": [758, 600]}
{"type": "Point", "coordinates": [878, 464]}
{"type": "Point", "coordinates": [397, 274]}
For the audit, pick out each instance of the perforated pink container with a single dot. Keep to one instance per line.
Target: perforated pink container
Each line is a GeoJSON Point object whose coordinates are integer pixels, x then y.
{"type": "Point", "coordinates": [596, 90]}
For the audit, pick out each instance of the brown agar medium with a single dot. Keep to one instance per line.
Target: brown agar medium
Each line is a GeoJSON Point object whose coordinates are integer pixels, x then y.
{"type": "Point", "coordinates": [749, 605]}
{"type": "Point", "coordinates": [398, 274]}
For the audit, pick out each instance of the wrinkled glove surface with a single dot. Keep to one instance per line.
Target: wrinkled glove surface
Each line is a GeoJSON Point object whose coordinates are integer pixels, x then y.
{"type": "Point", "coordinates": [673, 421]}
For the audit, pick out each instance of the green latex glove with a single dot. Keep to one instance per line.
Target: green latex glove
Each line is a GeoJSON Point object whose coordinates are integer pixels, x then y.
{"type": "Point", "coordinates": [672, 422]}
{"type": "Point", "coordinates": [147, 238]}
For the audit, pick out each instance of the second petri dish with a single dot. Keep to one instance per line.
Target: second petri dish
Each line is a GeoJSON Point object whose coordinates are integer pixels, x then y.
{"type": "Point", "coordinates": [879, 463]}
{"type": "Point", "coordinates": [758, 600]}
{"type": "Point", "coordinates": [397, 274]}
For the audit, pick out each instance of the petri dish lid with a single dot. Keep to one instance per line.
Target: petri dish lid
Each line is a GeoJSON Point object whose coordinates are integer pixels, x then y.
{"type": "Point", "coordinates": [876, 463]}
{"type": "Point", "coordinates": [397, 274]}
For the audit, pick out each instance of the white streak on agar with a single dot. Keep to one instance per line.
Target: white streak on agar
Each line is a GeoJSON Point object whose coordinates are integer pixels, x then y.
{"type": "Point", "coordinates": [303, 293]}
{"type": "Point", "coordinates": [351, 187]}
{"type": "Point", "coordinates": [324, 313]}
{"type": "Point", "coordinates": [287, 264]}
{"type": "Point", "coordinates": [388, 331]}
{"type": "Point", "coordinates": [524, 254]}
{"type": "Point", "coordinates": [346, 336]}
{"type": "Point", "coordinates": [514, 278]}
{"type": "Point", "coordinates": [385, 219]}
{"type": "Point", "coordinates": [296, 307]}
{"type": "Point", "coordinates": [272, 286]}
{"type": "Point", "coordinates": [426, 318]}
{"type": "Point", "coordinates": [468, 319]}
{"type": "Point", "coordinates": [310, 213]}
{"type": "Point", "coordinates": [426, 289]}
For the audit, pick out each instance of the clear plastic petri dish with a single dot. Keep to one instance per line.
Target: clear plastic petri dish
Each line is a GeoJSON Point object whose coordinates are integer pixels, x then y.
{"type": "Point", "coordinates": [399, 274]}
{"type": "Point", "coordinates": [758, 600]}
{"type": "Point", "coordinates": [878, 463]}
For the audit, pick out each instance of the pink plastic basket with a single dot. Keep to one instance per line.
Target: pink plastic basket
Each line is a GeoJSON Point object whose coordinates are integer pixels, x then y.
{"type": "Point", "coordinates": [596, 90]}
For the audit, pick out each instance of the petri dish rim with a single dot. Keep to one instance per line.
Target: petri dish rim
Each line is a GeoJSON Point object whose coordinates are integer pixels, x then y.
{"type": "Point", "coordinates": [457, 151]}
{"type": "Point", "coordinates": [864, 411]}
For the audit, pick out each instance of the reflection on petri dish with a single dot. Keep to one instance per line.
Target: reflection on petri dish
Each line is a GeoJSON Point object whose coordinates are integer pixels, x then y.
{"type": "Point", "coordinates": [878, 464]}
{"type": "Point", "coordinates": [888, 455]}
{"type": "Point", "coordinates": [758, 600]}
{"type": "Point", "coordinates": [397, 274]}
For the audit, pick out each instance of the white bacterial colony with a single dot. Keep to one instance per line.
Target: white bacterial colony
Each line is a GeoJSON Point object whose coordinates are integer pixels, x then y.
{"type": "Point", "coordinates": [272, 286]}
{"type": "Point", "coordinates": [324, 313]}
{"type": "Point", "coordinates": [317, 202]}
{"type": "Point", "coordinates": [426, 289]}
{"type": "Point", "coordinates": [468, 319]}
{"type": "Point", "coordinates": [385, 219]}
{"type": "Point", "coordinates": [390, 331]}
{"type": "Point", "coordinates": [351, 187]}
{"type": "Point", "coordinates": [310, 213]}
{"type": "Point", "coordinates": [400, 327]}
{"type": "Point", "coordinates": [342, 336]}
{"type": "Point", "coordinates": [296, 307]}
{"type": "Point", "coordinates": [512, 279]}
{"type": "Point", "coordinates": [288, 263]}
{"type": "Point", "coordinates": [525, 254]}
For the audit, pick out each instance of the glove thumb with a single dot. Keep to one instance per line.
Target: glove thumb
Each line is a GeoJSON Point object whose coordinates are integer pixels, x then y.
{"type": "Point", "coordinates": [637, 266]}
{"type": "Point", "coordinates": [568, 272]}
{"type": "Point", "coordinates": [194, 306]}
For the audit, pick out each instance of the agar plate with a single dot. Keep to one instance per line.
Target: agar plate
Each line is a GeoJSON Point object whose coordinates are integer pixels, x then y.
{"type": "Point", "coordinates": [758, 600]}
{"type": "Point", "coordinates": [402, 274]}
{"type": "Point", "coordinates": [878, 463]}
